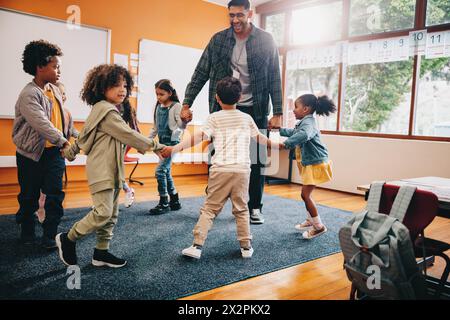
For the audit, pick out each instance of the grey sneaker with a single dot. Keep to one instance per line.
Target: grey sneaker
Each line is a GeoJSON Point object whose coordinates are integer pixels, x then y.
{"type": "Point", "coordinates": [256, 217]}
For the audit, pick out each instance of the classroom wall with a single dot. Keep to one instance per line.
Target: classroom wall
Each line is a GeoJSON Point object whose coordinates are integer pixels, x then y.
{"type": "Point", "coordinates": [183, 22]}
{"type": "Point", "coordinates": [361, 160]}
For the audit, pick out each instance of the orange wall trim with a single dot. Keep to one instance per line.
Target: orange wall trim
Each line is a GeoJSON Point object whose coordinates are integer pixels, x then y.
{"type": "Point", "coordinates": [78, 173]}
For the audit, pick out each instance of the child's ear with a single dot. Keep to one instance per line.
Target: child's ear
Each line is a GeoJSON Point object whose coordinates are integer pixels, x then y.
{"type": "Point", "coordinates": [218, 99]}
{"type": "Point", "coordinates": [38, 69]}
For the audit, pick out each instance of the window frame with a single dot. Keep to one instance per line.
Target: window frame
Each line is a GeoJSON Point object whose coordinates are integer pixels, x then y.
{"type": "Point", "coordinates": [288, 6]}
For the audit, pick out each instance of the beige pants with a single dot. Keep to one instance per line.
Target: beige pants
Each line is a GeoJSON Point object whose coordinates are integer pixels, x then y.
{"type": "Point", "coordinates": [102, 219]}
{"type": "Point", "coordinates": [221, 186]}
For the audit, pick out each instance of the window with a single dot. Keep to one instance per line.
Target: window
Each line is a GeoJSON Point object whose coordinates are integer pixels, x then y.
{"type": "Point", "coordinates": [275, 25]}
{"type": "Point", "coordinates": [318, 81]}
{"type": "Point", "coordinates": [376, 16]}
{"type": "Point", "coordinates": [433, 102]}
{"type": "Point", "coordinates": [371, 57]}
{"type": "Point", "coordinates": [317, 24]}
{"type": "Point", "coordinates": [438, 12]}
{"type": "Point", "coordinates": [378, 97]}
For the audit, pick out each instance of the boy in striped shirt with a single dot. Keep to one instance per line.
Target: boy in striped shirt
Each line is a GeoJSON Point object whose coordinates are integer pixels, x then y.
{"type": "Point", "coordinates": [230, 130]}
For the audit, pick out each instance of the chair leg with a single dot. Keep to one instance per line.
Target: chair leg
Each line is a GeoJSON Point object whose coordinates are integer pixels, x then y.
{"type": "Point", "coordinates": [131, 180]}
{"type": "Point", "coordinates": [65, 177]}
{"type": "Point", "coordinates": [353, 292]}
{"type": "Point", "coordinates": [444, 276]}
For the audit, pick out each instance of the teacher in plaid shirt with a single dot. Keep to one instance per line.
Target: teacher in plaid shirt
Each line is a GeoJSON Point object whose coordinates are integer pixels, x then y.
{"type": "Point", "coordinates": [250, 55]}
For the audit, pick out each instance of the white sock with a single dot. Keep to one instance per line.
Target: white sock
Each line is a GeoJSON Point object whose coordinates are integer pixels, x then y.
{"type": "Point", "coordinates": [308, 217]}
{"type": "Point", "coordinates": [317, 222]}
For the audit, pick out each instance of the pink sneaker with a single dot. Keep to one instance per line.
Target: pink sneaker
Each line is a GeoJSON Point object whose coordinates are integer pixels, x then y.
{"type": "Point", "coordinates": [313, 233]}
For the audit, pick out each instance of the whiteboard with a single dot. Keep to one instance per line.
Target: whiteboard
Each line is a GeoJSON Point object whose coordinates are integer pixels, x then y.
{"type": "Point", "coordinates": [158, 60]}
{"type": "Point", "coordinates": [83, 49]}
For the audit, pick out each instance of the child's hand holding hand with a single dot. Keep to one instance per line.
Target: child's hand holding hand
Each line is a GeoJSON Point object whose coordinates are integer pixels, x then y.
{"type": "Point", "coordinates": [68, 153]}
{"type": "Point", "coordinates": [158, 153]}
{"type": "Point", "coordinates": [273, 127]}
{"type": "Point", "coordinates": [167, 152]}
{"type": "Point", "coordinates": [66, 145]}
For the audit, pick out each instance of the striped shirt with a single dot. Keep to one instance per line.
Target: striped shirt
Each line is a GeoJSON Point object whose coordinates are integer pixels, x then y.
{"type": "Point", "coordinates": [230, 131]}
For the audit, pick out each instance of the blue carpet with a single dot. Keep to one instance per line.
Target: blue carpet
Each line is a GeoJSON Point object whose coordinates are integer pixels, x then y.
{"type": "Point", "coordinates": [152, 245]}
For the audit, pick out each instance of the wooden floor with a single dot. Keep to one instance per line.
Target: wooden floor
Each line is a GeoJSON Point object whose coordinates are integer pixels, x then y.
{"type": "Point", "coordinates": [319, 279]}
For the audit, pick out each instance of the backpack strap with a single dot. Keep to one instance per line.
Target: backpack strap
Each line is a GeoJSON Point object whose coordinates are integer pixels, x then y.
{"type": "Point", "coordinates": [381, 260]}
{"type": "Point", "coordinates": [378, 234]}
{"type": "Point", "coordinates": [401, 202]}
{"type": "Point", "coordinates": [373, 203]}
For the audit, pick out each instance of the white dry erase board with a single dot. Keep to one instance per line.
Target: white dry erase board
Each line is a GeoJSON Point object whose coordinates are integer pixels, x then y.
{"type": "Point", "coordinates": [83, 49]}
{"type": "Point", "coordinates": [158, 60]}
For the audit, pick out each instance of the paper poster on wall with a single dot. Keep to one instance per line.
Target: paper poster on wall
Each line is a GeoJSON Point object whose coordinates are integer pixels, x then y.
{"type": "Point", "coordinates": [292, 60]}
{"type": "Point", "coordinates": [359, 53]}
{"type": "Point", "coordinates": [447, 44]}
{"type": "Point", "coordinates": [392, 49]}
{"type": "Point", "coordinates": [435, 45]}
{"type": "Point", "coordinates": [341, 55]}
{"type": "Point", "coordinates": [379, 51]}
{"type": "Point", "coordinates": [417, 42]}
{"type": "Point", "coordinates": [121, 60]}
{"type": "Point", "coordinates": [311, 58]}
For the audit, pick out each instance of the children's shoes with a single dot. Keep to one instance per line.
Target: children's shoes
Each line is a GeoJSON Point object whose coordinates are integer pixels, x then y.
{"type": "Point", "coordinates": [313, 233]}
{"type": "Point", "coordinates": [129, 198]}
{"type": "Point", "coordinates": [247, 253]}
{"type": "Point", "coordinates": [304, 226]}
{"type": "Point", "coordinates": [193, 252]}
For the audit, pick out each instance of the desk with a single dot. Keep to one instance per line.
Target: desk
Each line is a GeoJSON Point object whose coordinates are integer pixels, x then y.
{"type": "Point", "coordinates": [439, 186]}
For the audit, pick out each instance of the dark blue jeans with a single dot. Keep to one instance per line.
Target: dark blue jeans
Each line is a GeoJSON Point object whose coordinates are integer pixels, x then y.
{"type": "Point", "coordinates": [45, 175]}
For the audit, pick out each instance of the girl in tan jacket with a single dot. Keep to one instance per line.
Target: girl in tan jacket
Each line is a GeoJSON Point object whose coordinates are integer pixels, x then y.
{"type": "Point", "coordinates": [101, 139]}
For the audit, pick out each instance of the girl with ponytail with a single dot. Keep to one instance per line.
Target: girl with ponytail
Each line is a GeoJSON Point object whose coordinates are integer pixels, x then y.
{"type": "Point", "coordinates": [168, 126]}
{"type": "Point", "coordinates": [311, 155]}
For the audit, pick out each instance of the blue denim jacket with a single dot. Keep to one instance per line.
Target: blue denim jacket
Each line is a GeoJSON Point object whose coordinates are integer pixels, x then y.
{"type": "Point", "coordinates": [306, 135]}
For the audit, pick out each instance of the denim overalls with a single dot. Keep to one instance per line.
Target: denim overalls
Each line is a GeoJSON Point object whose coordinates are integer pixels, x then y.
{"type": "Point", "coordinates": [164, 170]}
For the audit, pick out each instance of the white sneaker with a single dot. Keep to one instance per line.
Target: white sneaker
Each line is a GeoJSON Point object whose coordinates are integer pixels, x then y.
{"type": "Point", "coordinates": [304, 226]}
{"type": "Point", "coordinates": [247, 253]}
{"type": "Point", "coordinates": [129, 198]}
{"type": "Point", "coordinates": [192, 252]}
{"type": "Point", "coordinates": [256, 217]}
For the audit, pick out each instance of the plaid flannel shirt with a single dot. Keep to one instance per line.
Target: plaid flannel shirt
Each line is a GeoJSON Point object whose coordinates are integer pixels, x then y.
{"type": "Point", "coordinates": [263, 66]}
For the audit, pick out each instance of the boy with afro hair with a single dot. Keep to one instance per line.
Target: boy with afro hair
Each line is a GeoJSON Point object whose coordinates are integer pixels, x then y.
{"type": "Point", "coordinates": [38, 135]}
